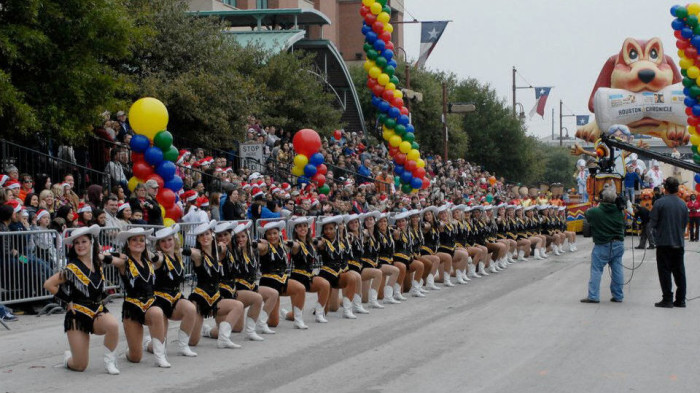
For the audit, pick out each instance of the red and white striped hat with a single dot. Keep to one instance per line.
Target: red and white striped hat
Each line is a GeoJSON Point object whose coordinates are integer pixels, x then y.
{"type": "Point", "coordinates": [275, 190]}
{"type": "Point", "coordinates": [15, 205]}
{"type": "Point", "coordinates": [184, 154]}
{"type": "Point", "coordinates": [41, 213]}
{"type": "Point", "coordinates": [220, 170]}
{"type": "Point", "coordinates": [11, 184]}
{"type": "Point", "coordinates": [208, 160]}
{"type": "Point", "coordinates": [3, 179]}
{"type": "Point", "coordinates": [256, 192]}
{"type": "Point", "coordinates": [189, 196]}
{"type": "Point", "coordinates": [202, 201]}
{"type": "Point", "coordinates": [84, 207]}
{"type": "Point", "coordinates": [245, 185]}
{"type": "Point", "coordinates": [228, 169]}
{"type": "Point", "coordinates": [286, 186]}
{"type": "Point", "coordinates": [123, 206]}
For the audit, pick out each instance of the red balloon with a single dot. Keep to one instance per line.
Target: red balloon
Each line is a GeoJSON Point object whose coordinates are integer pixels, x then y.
{"type": "Point", "coordinates": [174, 212]}
{"type": "Point", "coordinates": [410, 166]}
{"type": "Point", "coordinates": [388, 95]}
{"type": "Point", "coordinates": [689, 111]}
{"type": "Point", "coordinates": [378, 90]}
{"type": "Point", "coordinates": [307, 142]}
{"type": "Point", "coordinates": [426, 184]}
{"type": "Point", "coordinates": [370, 18]}
{"type": "Point", "coordinates": [137, 157]}
{"type": "Point", "coordinates": [371, 82]}
{"type": "Point", "coordinates": [682, 44]}
{"type": "Point", "coordinates": [393, 151]}
{"type": "Point", "coordinates": [691, 52]}
{"type": "Point", "coordinates": [390, 45]}
{"type": "Point", "coordinates": [693, 121]}
{"type": "Point", "coordinates": [397, 102]}
{"type": "Point", "coordinates": [378, 27]}
{"type": "Point", "coordinates": [157, 178]}
{"type": "Point", "coordinates": [166, 197]}
{"type": "Point", "coordinates": [142, 170]}
{"type": "Point", "coordinates": [404, 111]}
{"type": "Point", "coordinates": [322, 169]}
{"type": "Point", "coordinates": [385, 36]}
{"type": "Point", "coordinates": [337, 135]}
{"type": "Point", "coordinates": [364, 10]}
{"type": "Point", "coordinates": [400, 158]}
{"type": "Point", "coordinates": [319, 179]}
{"type": "Point", "coordinates": [697, 187]}
{"type": "Point", "coordinates": [678, 34]}
{"type": "Point", "coordinates": [419, 172]}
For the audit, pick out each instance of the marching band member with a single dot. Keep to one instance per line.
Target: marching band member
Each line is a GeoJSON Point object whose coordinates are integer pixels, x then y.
{"type": "Point", "coordinates": [517, 232]}
{"type": "Point", "coordinates": [227, 285]}
{"type": "Point", "coordinates": [480, 233]}
{"type": "Point", "coordinates": [380, 236]}
{"type": "Point", "coordinates": [207, 259]}
{"type": "Point", "coordinates": [542, 230]}
{"type": "Point", "coordinates": [353, 261]}
{"type": "Point", "coordinates": [81, 285]}
{"type": "Point", "coordinates": [369, 274]}
{"type": "Point", "coordinates": [467, 238]}
{"type": "Point", "coordinates": [505, 233]}
{"type": "Point", "coordinates": [431, 242]}
{"type": "Point", "coordinates": [501, 250]}
{"type": "Point", "coordinates": [531, 225]}
{"type": "Point", "coordinates": [570, 235]}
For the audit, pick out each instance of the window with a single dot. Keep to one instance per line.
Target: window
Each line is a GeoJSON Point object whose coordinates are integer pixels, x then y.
{"type": "Point", "coordinates": [261, 4]}
{"type": "Point", "coordinates": [232, 3]}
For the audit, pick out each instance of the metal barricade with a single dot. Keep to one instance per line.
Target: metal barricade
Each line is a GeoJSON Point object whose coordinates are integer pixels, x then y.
{"type": "Point", "coordinates": [27, 259]}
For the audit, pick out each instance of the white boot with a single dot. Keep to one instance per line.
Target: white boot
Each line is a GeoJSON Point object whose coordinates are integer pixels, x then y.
{"type": "Point", "coordinates": [111, 361]}
{"type": "Point", "coordinates": [543, 252]}
{"type": "Point", "coordinates": [357, 305]}
{"type": "Point", "coordinates": [299, 318]}
{"type": "Point", "coordinates": [250, 333]}
{"type": "Point", "coordinates": [183, 344]}
{"type": "Point", "coordinates": [347, 309]}
{"type": "Point", "coordinates": [492, 267]}
{"type": "Point", "coordinates": [319, 311]}
{"type": "Point", "coordinates": [224, 340]}
{"type": "Point", "coordinates": [66, 357]}
{"type": "Point", "coordinates": [482, 269]}
{"type": "Point", "coordinates": [446, 281]}
{"type": "Point", "coordinates": [206, 330]}
{"type": "Point", "coordinates": [521, 256]}
{"type": "Point", "coordinates": [415, 289]}
{"type": "Point", "coordinates": [555, 248]}
{"type": "Point", "coordinates": [472, 272]}
{"type": "Point", "coordinates": [504, 263]}
{"type": "Point", "coordinates": [146, 341]}
{"type": "Point", "coordinates": [262, 323]}
{"type": "Point", "coordinates": [389, 295]}
{"type": "Point", "coordinates": [397, 292]}
{"type": "Point", "coordinates": [159, 354]}
{"type": "Point", "coordinates": [458, 277]}
{"type": "Point", "coordinates": [421, 287]}
{"type": "Point", "coordinates": [373, 299]}
{"type": "Point", "coordinates": [537, 254]}
{"type": "Point", "coordinates": [430, 283]}
{"type": "Point", "coordinates": [510, 258]}
{"type": "Point", "coordinates": [572, 247]}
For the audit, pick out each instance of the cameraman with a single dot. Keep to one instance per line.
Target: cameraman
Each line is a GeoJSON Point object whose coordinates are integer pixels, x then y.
{"type": "Point", "coordinates": [607, 223]}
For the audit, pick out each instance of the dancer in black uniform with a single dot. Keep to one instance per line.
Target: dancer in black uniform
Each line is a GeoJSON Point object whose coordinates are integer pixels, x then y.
{"type": "Point", "coordinates": [431, 243]}
{"type": "Point", "coordinates": [351, 235]}
{"type": "Point", "coordinates": [372, 277]}
{"type": "Point", "coordinates": [381, 243]}
{"type": "Point", "coordinates": [81, 286]}
{"type": "Point", "coordinates": [403, 254]}
{"type": "Point", "coordinates": [415, 229]}
{"type": "Point", "coordinates": [461, 255]}
{"type": "Point", "coordinates": [446, 249]}
{"type": "Point", "coordinates": [332, 249]}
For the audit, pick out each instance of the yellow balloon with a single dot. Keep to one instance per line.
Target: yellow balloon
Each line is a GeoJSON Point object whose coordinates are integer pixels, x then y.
{"type": "Point", "coordinates": [133, 182]}
{"type": "Point", "coordinates": [387, 134]}
{"type": "Point", "coordinates": [695, 140]}
{"type": "Point", "coordinates": [367, 65]}
{"type": "Point", "coordinates": [162, 211]}
{"type": "Point", "coordinates": [296, 171]}
{"type": "Point", "coordinates": [389, 28]}
{"type": "Point", "coordinates": [395, 140]}
{"type": "Point", "coordinates": [376, 8]}
{"type": "Point", "coordinates": [390, 86]}
{"type": "Point", "coordinates": [148, 116]}
{"type": "Point", "coordinates": [413, 155]}
{"type": "Point", "coordinates": [681, 53]}
{"type": "Point", "coordinates": [693, 72]}
{"type": "Point", "coordinates": [383, 17]}
{"type": "Point", "coordinates": [368, 3]}
{"type": "Point", "coordinates": [420, 163]}
{"type": "Point", "coordinates": [692, 130]}
{"type": "Point", "coordinates": [405, 147]}
{"type": "Point", "coordinates": [383, 79]}
{"type": "Point", "coordinates": [168, 222]}
{"type": "Point", "coordinates": [374, 72]}
{"type": "Point", "coordinates": [685, 63]}
{"type": "Point", "coordinates": [301, 160]}
{"type": "Point", "coordinates": [693, 9]}
{"type": "Point", "coordinates": [398, 94]}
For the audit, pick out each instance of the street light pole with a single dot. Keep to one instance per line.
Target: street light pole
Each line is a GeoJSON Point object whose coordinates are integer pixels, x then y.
{"type": "Point", "coordinates": [444, 115]}
{"type": "Point", "coordinates": [514, 89]}
{"type": "Point", "coordinates": [561, 126]}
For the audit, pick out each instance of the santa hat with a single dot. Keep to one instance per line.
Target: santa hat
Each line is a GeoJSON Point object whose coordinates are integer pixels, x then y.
{"type": "Point", "coordinates": [11, 184]}
{"type": "Point", "coordinates": [245, 185]}
{"type": "Point", "coordinates": [123, 206]}
{"type": "Point", "coordinates": [189, 196]}
{"type": "Point", "coordinates": [219, 170]}
{"type": "Point", "coordinates": [3, 179]}
{"type": "Point", "coordinates": [198, 163]}
{"type": "Point", "coordinates": [261, 183]}
{"type": "Point", "coordinates": [184, 154]}
{"type": "Point", "coordinates": [228, 169]}
{"type": "Point", "coordinates": [202, 201]}
{"type": "Point", "coordinates": [286, 186]}
{"type": "Point", "coordinates": [275, 190]}
{"type": "Point", "coordinates": [314, 201]}
{"type": "Point", "coordinates": [41, 213]}
{"type": "Point", "coordinates": [16, 207]}
{"type": "Point", "coordinates": [208, 160]}
{"type": "Point", "coordinates": [382, 197]}
{"type": "Point", "coordinates": [84, 208]}
{"type": "Point", "coordinates": [257, 193]}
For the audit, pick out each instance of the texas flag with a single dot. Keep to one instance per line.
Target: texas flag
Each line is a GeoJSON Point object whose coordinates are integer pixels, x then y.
{"type": "Point", "coordinates": [541, 94]}
{"type": "Point", "coordinates": [582, 120]}
{"type": "Point", "coordinates": [430, 33]}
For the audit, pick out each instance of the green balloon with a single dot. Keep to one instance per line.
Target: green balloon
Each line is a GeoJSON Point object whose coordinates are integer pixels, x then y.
{"type": "Point", "coordinates": [324, 189]}
{"type": "Point", "coordinates": [386, 9]}
{"type": "Point", "coordinates": [171, 154]}
{"type": "Point", "coordinates": [382, 118]}
{"type": "Point", "coordinates": [684, 72]}
{"type": "Point", "coordinates": [390, 123]}
{"type": "Point", "coordinates": [415, 145]}
{"type": "Point", "coordinates": [681, 12]}
{"type": "Point", "coordinates": [366, 47]}
{"type": "Point", "coordinates": [696, 30]}
{"type": "Point", "coordinates": [381, 62]}
{"type": "Point", "coordinates": [694, 91]}
{"type": "Point", "coordinates": [394, 80]}
{"type": "Point", "coordinates": [400, 130]}
{"type": "Point", "coordinates": [382, 2]}
{"type": "Point", "coordinates": [694, 149]}
{"type": "Point", "coordinates": [692, 20]}
{"type": "Point", "coordinates": [397, 181]}
{"type": "Point", "coordinates": [389, 70]}
{"type": "Point", "coordinates": [409, 137]}
{"type": "Point", "coordinates": [696, 158]}
{"type": "Point", "coordinates": [687, 82]}
{"type": "Point", "coordinates": [372, 54]}
{"type": "Point", "coordinates": [406, 188]}
{"type": "Point", "coordinates": [163, 139]}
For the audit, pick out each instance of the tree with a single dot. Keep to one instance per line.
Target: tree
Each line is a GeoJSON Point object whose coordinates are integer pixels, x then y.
{"type": "Point", "coordinates": [559, 165]}
{"type": "Point", "coordinates": [55, 63]}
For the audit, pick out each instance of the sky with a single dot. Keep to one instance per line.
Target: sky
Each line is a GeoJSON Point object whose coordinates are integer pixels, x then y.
{"type": "Point", "coordinates": [559, 43]}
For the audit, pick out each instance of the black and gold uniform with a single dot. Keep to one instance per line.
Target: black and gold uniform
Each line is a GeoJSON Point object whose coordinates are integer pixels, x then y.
{"type": "Point", "coordinates": [355, 251]}
{"type": "Point", "coordinates": [227, 284]}
{"type": "Point", "coordinates": [138, 281]}
{"type": "Point", "coordinates": [274, 268]}
{"type": "Point", "coordinates": [403, 248]}
{"type": "Point", "coordinates": [169, 276]}
{"type": "Point", "coordinates": [246, 271]}
{"type": "Point", "coordinates": [431, 241]}
{"type": "Point", "coordinates": [417, 240]}
{"type": "Point", "coordinates": [303, 265]}
{"type": "Point", "coordinates": [85, 290]}
{"type": "Point", "coordinates": [461, 238]}
{"type": "Point", "coordinates": [448, 233]}
{"type": "Point", "coordinates": [370, 252]}
{"type": "Point", "coordinates": [206, 294]}
{"type": "Point", "coordinates": [546, 225]}
{"type": "Point", "coordinates": [502, 231]}
{"type": "Point", "coordinates": [520, 228]}
{"type": "Point", "coordinates": [479, 232]}
{"type": "Point", "coordinates": [491, 231]}
{"type": "Point", "coordinates": [386, 247]}
{"type": "Point", "coordinates": [334, 259]}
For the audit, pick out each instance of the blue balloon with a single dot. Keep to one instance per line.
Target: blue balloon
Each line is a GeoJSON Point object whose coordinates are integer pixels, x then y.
{"type": "Point", "coordinates": [696, 110]}
{"type": "Point", "coordinates": [388, 54]}
{"type": "Point", "coordinates": [394, 112]}
{"type": "Point", "coordinates": [398, 170]}
{"type": "Point", "coordinates": [316, 159]}
{"type": "Point", "coordinates": [392, 63]}
{"type": "Point", "coordinates": [673, 11]}
{"type": "Point", "coordinates": [363, 171]}
{"type": "Point", "coordinates": [371, 37]}
{"type": "Point", "coordinates": [365, 29]}
{"type": "Point", "coordinates": [686, 32]}
{"type": "Point", "coordinates": [406, 177]}
{"type": "Point", "coordinates": [697, 178]}
{"type": "Point", "coordinates": [153, 156]}
{"type": "Point", "coordinates": [409, 128]}
{"type": "Point", "coordinates": [695, 41]}
{"type": "Point", "coordinates": [376, 101]}
{"type": "Point", "coordinates": [379, 45]}
{"type": "Point", "coordinates": [174, 184]}
{"type": "Point", "coordinates": [677, 24]}
{"type": "Point", "coordinates": [690, 102]}
{"type": "Point", "coordinates": [303, 180]}
{"type": "Point", "coordinates": [686, 91]}
{"type": "Point", "coordinates": [403, 119]}
{"type": "Point", "coordinates": [416, 183]}
{"type": "Point", "coordinates": [166, 170]}
{"type": "Point", "coordinates": [384, 106]}
{"type": "Point", "coordinates": [139, 143]}
{"type": "Point", "coordinates": [309, 170]}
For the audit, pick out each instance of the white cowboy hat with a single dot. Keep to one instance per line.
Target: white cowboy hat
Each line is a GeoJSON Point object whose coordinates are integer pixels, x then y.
{"type": "Point", "coordinates": [399, 216]}
{"type": "Point", "coordinates": [373, 213]}
{"type": "Point", "coordinates": [92, 230]}
{"type": "Point", "coordinates": [165, 232]}
{"type": "Point", "coordinates": [531, 207]}
{"type": "Point", "coordinates": [123, 236]}
{"type": "Point", "coordinates": [279, 225]}
{"type": "Point", "coordinates": [518, 207]}
{"type": "Point", "coordinates": [224, 226]}
{"type": "Point", "coordinates": [330, 220]}
{"type": "Point", "coordinates": [242, 226]}
{"type": "Point", "coordinates": [541, 207]}
{"type": "Point", "coordinates": [443, 208]}
{"type": "Point", "coordinates": [429, 208]}
{"type": "Point", "coordinates": [350, 217]}
{"type": "Point", "coordinates": [201, 228]}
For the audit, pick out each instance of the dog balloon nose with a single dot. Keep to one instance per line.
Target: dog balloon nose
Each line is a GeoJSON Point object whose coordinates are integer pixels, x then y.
{"type": "Point", "coordinates": [646, 76]}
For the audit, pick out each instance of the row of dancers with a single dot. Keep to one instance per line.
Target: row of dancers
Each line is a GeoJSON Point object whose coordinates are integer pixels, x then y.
{"type": "Point", "coordinates": [372, 258]}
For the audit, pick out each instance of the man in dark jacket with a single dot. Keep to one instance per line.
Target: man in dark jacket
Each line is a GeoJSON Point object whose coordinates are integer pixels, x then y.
{"type": "Point", "coordinates": [669, 218]}
{"type": "Point", "coordinates": [152, 207]}
{"type": "Point", "coordinates": [642, 213]}
{"type": "Point", "coordinates": [608, 230]}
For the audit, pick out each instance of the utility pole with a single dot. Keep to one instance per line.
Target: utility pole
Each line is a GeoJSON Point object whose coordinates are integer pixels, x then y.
{"type": "Point", "coordinates": [514, 88]}
{"type": "Point", "coordinates": [444, 115]}
{"type": "Point", "coordinates": [561, 105]}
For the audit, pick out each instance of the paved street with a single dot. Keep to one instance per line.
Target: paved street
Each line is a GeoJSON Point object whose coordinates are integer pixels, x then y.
{"type": "Point", "coordinates": [522, 330]}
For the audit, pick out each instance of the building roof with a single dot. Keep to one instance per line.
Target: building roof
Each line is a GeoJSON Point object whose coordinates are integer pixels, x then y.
{"type": "Point", "coordinates": [271, 41]}
{"type": "Point", "coordinates": [286, 18]}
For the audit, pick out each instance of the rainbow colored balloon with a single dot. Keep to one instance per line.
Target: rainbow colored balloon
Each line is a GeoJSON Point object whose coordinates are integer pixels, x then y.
{"type": "Point", "coordinates": [380, 66]}
{"type": "Point", "coordinates": [687, 32]}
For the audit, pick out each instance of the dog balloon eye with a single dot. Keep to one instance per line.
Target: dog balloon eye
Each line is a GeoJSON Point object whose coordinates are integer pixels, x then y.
{"type": "Point", "coordinates": [633, 55]}
{"type": "Point", "coordinates": [653, 54]}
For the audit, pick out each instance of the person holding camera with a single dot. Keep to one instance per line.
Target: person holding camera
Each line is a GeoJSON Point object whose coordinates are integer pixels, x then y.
{"type": "Point", "coordinates": [607, 223]}
{"type": "Point", "coordinates": [669, 218]}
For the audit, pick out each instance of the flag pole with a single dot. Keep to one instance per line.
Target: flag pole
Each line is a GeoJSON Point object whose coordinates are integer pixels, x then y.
{"type": "Point", "coordinates": [444, 115]}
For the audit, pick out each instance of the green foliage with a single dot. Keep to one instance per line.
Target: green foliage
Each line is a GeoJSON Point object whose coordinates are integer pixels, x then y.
{"type": "Point", "coordinates": [560, 164]}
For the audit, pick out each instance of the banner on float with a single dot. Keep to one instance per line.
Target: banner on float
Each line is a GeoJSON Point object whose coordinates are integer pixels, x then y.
{"type": "Point", "coordinates": [618, 106]}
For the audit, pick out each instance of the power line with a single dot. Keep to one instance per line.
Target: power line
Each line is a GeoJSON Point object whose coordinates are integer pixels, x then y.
{"type": "Point", "coordinates": [403, 5]}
